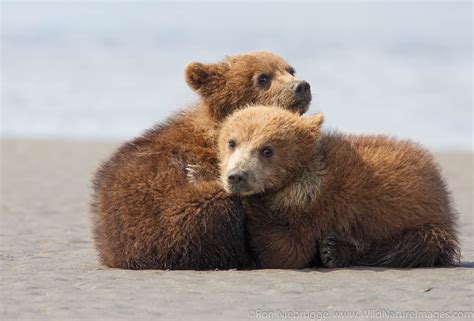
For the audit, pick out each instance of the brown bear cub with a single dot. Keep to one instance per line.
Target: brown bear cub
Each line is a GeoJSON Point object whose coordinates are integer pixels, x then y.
{"type": "Point", "coordinates": [312, 197]}
{"type": "Point", "coordinates": [148, 213]}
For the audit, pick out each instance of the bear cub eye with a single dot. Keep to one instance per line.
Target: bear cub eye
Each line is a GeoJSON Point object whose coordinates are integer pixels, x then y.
{"type": "Point", "coordinates": [267, 152]}
{"type": "Point", "coordinates": [232, 144]}
{"type": "Point", "coordinates": [263, 79]}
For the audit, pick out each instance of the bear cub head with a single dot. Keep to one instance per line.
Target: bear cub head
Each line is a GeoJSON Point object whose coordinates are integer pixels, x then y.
{"type": "Point", "coordinates": [255, 78]}
{"type": "Point", "coordinates": [262, 148]}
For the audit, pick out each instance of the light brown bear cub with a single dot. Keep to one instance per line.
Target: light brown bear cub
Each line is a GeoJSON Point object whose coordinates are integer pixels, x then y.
{"type": "Point", "coordinates": [313, 197]}
{"type": "Point", "coordinates": [148, 213]}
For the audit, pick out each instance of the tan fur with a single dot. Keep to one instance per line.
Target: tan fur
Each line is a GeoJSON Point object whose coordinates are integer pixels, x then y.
{"type": "Point", "coordinates": [382, 200]}
{"type": "Point", "coordinates": [158, 202]}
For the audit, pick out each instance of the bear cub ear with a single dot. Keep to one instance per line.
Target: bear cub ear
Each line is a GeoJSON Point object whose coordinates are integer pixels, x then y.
{"type": "Point", "coordinates": [314, 122]}
{"type": "Point", "coordinates": [199, 74]}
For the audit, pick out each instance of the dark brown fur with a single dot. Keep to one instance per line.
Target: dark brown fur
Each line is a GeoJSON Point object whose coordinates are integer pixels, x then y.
{"type": "Point", "coordinates": [370, 200]}
{"type": "Point", "coordinates": [157, 201]}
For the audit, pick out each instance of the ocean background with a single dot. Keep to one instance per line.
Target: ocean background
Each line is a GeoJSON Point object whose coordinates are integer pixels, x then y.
{"type": "Point", "coordinates": [106, 71]}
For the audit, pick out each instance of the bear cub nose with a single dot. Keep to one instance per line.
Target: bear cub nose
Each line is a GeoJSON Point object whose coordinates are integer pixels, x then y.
{"type": "Point", "coordinates": [237, 177]}
{"type": "Point", "coordinates": [301, 88]}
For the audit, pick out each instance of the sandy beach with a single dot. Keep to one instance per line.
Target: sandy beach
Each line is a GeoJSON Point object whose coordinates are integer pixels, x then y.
{"type": "Point", "coordinates": [49, 269]}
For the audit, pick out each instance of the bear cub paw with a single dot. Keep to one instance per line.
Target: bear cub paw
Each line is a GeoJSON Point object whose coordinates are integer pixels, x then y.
{"type": "Point", "coordinates": [336, 253]}
{"type": "Point", "coordinates": [197, 173]}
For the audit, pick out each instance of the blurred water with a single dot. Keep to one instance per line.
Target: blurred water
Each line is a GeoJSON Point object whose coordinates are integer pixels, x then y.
{"type": "Point", "coordinates": [98, 70]}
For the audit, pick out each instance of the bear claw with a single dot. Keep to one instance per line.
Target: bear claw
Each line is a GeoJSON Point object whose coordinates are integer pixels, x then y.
{"type": "Point", "coordinates": [335, 253]}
